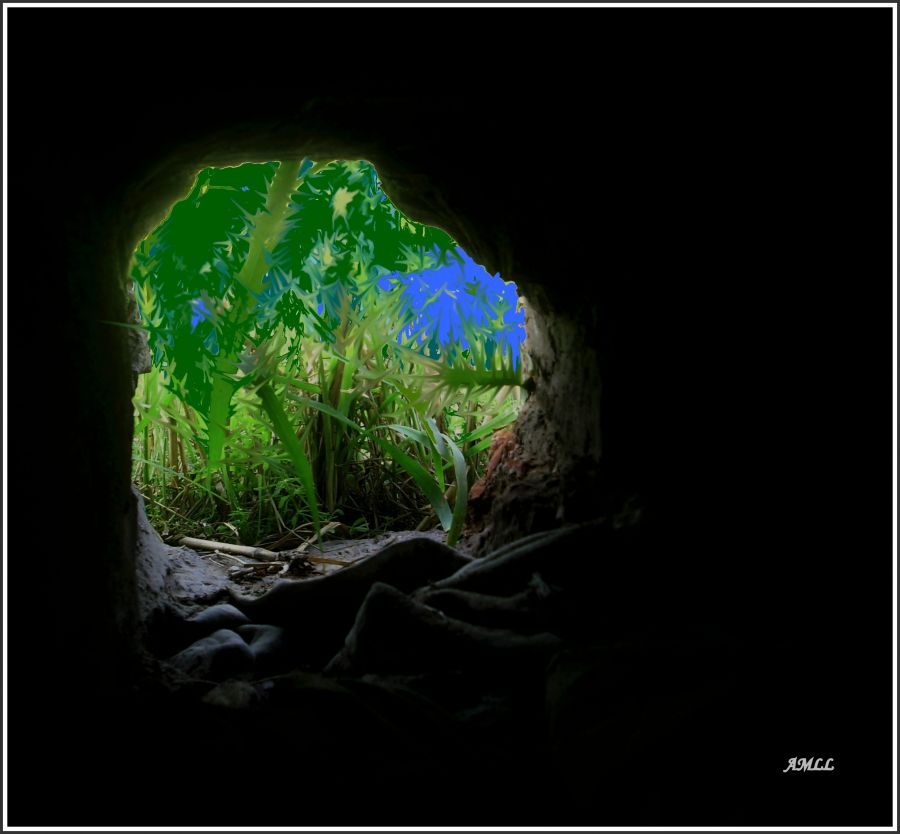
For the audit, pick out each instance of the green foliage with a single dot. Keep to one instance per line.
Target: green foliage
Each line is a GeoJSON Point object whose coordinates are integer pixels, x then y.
{"type": "Point", "coordinates": [285, 389]}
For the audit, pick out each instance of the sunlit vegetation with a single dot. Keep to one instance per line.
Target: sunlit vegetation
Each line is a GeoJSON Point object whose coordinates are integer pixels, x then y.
{"type": "Point", "coordinates": [317, 356]}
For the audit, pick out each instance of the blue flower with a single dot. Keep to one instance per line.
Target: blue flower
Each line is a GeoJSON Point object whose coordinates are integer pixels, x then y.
{"type": "Point", "coordinates": [201, 312]}
{"type": "Point", "coordinates": [446, 306]}
{"type": "Point", "coordinates": [510, 334]}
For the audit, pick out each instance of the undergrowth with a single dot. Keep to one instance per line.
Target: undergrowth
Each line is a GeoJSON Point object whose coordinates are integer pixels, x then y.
{"type": "Point", "coordinates": [316, 357]}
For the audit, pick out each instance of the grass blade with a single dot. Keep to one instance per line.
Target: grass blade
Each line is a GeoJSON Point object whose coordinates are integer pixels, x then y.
{"type": "Point", "coordinates": [425, 482]}
{"type": "Point", "coordinates": [298, 457]}
{"type": "Point", "coordinates": [491, 425]}
{"type": "Point", "coordinates": [462, 492]}
{"type": "Point", "coordinates": [325, 409]}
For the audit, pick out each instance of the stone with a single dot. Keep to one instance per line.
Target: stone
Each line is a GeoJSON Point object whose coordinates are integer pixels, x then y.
{"type": "Point", "coordinates": [223, 654]}
{"type": "Point", "coordinates": [219, 616]}
{"type": "Point", "coordinates": [170, 582]}
{"type": "Point", "coordinates": [319, 612]}
{"type": "Point", "coordinates": [395, 634]}
{"type": "Point", "coordinates": [564, 556]}
{"type": "Point", "coordinates": [269, 646]}
{"type": "Point", "coordinates": [519, 612]}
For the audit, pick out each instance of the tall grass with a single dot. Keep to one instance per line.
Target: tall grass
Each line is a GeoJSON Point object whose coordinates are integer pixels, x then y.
{"type": "Point", "coordinates": [317, 356]}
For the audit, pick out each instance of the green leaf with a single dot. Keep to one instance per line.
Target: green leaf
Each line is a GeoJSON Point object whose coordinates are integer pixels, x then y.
{"type": "Point", "coordinates": [294, 448]}
{"type": "Point", "coordinates": [489, 426]}
{"type": "Point", "coordinates": [425, 482]}
{"type": "Point", "coordinates": [297, 383]}
{"type": "Point", "coordinates": [324, 408]}
{"type": "Point", "coordinates": [436, 437]}
{"type": "Point", "coordinates": [412, 434]}
{"type": "Point", "coordinates": [462, 492]}
{"type": "Point", "coordinates": [479, 447]}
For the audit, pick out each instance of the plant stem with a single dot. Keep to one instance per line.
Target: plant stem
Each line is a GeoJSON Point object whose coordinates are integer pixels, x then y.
{"type": "Point", "coordinates": [264, 237]}
{"type": "Point", "coordinates": [269, 226]}
{"type": "Point", "coordinates": [283, 429]}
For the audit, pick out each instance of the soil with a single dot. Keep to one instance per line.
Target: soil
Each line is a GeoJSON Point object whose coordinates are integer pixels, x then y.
{"type": "Point", "coordinates": [299, 567]}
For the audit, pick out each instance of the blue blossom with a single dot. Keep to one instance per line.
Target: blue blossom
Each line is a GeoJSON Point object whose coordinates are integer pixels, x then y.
{"type": "Point", "coordinates": [202, 311]}
{"type": "Point", "coordinates": [447, 306]}
{"type": "Point", "coordinates": [510, 334]}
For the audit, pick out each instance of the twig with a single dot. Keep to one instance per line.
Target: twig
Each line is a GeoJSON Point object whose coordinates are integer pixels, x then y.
{"type": "Point", "coordinates": [237, 549]}
{"type": "Point", "coordinates": [236, 573]}
{"type": "Point", "coordinates": [239, 559]}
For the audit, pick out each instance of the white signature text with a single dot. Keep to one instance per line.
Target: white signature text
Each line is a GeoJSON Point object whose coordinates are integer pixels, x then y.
{"type": "Point", "coordinates": [808, 764]}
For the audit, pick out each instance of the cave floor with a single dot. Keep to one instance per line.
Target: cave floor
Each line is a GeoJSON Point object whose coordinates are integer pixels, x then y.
{"type": "Point", "coordinates": [561, 668]}
{"type": "Point", "coordinates": [251, 578]}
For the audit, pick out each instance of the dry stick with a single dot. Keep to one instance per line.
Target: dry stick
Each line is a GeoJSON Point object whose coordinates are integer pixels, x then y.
{"type": "Point", "coordinates": [237, 573]}
{"type": "Point", "coordinates": [242, 561]}
{"type": "Point", "coordinates": [260, 553]}
{"type": "Point", "coordinates": [238, 549]}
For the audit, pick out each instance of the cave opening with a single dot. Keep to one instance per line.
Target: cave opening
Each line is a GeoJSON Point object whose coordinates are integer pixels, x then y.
{"type": "Point", "coordinates": [265, 370]}
{"type": "Point", "coordinates": [418, 649]}
{"type": "Point", "coordinates": [320, 375]}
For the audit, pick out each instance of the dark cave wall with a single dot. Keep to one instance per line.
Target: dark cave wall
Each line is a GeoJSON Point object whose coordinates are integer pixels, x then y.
{"type": "Point", "coordinates": [87, 600]}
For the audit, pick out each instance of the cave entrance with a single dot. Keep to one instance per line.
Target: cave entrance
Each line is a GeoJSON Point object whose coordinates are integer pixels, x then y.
{"type": "Point", "coordinates": [322, 369]}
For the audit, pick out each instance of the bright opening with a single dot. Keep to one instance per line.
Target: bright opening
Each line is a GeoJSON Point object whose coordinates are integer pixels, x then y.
{"type": "Point", "coordinates": [319, 361]}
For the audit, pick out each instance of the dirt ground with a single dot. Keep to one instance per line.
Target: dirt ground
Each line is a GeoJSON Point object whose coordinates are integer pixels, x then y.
{"type": "Point", "coordinates": [253, 578]}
